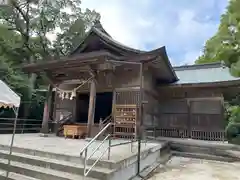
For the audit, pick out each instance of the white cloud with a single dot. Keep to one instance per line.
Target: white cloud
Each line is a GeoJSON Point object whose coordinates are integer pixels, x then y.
{"type": "Point", "coordinates": [148, 24]}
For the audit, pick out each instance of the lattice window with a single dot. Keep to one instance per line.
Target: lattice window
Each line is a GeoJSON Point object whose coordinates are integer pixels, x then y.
{"type": "Point", "coordinates": [127, 97]}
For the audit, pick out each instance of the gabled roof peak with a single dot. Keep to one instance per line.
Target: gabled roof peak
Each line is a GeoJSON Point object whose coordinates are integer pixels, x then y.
{"type": "Point", "coordinates": [98, 25]}
{"type": "Point", "coordinates": [103, 36]}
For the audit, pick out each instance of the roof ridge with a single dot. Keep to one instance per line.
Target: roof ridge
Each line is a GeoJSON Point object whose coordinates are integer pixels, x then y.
{"type": "Point", "coordinates": [98, 25]}
{"type": "Point", "coordinates": [102, 33]}
{"type": "Point", "coordinates": [199, 66]}
{"type": "Point", "coordinates": [109, 38]}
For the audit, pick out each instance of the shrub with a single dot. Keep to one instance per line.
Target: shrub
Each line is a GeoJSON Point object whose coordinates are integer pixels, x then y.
{"type": "Point", "coordinates": [233, 126]}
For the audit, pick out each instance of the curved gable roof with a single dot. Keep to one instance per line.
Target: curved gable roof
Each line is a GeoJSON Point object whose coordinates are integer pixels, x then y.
{"type": "Point", "coordinates": [101, 33]}
{"type": "Point", "coordinates": [98, 40]}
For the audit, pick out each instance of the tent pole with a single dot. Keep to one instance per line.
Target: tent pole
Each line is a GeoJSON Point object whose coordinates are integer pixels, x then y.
{"type": "Point", "coordinates": [12, 140]}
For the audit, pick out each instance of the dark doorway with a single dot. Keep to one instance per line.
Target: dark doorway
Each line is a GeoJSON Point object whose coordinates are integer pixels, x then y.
{"type": "Point", "coordinates": [103, 106]}
{"type": "Point", "coordinates": [82, 108]}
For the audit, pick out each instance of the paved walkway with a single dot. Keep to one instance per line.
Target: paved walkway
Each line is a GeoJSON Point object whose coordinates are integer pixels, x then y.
{"type": "Point", "coordinates": [195, 169]}
{"type": "Point", "coordinates": [70, 146]}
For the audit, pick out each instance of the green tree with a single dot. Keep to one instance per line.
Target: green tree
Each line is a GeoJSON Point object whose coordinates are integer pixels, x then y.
{"type": "Point", "coordinates": [24, 28]}
{"type": "Point", "coordinates": [225, 44]}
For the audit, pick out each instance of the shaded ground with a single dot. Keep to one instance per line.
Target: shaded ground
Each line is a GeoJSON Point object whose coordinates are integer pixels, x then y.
{"type": "Point", "coordinates": [179, 168]}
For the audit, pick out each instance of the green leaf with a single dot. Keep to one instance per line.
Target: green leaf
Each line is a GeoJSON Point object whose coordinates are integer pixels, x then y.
{"type": "Point", "coordinates": [24, 30]}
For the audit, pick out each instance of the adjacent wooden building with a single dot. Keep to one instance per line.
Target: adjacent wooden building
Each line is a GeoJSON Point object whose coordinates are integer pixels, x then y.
{"type": "Point", "coordinates": [139, 91]}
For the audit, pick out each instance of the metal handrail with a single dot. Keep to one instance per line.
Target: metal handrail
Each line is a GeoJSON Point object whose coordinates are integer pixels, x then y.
{"type": "Point", "coordinates": [94, 139]}
{"type": "Point", "coordinates": [85, 150]}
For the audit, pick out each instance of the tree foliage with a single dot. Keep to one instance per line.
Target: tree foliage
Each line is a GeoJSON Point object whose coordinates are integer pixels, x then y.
{"type": "Point", "coordinates": [38, 30]}
{"type": "Point", "coordinates": [225, 44]}
{"type": "Point", "coordinates": [233, 118]}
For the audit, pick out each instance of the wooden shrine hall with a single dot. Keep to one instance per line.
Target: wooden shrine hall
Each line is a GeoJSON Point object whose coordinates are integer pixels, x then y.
{"type": "Point", "coordinates": [103, 80]}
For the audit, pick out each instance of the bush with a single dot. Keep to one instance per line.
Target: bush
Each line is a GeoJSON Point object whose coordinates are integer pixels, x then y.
{"type": "Point", "coordinates": [232, 130]}
{"type": "Point", "coordinates": [235, 140]}
{"type": "Point", "coordinates": [233, 126]}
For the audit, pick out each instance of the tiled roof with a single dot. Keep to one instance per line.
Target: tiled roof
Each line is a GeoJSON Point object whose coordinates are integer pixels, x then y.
{"type": "Point", "coordinates": [204, 73]}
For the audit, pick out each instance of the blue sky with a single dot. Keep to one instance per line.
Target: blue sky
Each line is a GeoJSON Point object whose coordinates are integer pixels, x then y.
{"type": "Point", "coordinates": [182, 26]}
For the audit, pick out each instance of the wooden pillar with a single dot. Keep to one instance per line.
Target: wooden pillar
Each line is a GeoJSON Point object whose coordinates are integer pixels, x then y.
{"type": "Point", "coordinates": [91, 109]}
{"type": "Point", "coordinates": [189, 130]}
{"type": "Point", "coordinates": [47, 109]}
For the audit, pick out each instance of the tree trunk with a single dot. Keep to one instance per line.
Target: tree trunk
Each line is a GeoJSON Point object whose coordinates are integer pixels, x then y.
{"type": "Point", "coordinates": [32, 80]}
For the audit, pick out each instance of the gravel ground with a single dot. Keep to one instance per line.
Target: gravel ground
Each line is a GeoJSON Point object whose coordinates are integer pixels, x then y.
{"type": "Point", "coordinates": [179, 168]}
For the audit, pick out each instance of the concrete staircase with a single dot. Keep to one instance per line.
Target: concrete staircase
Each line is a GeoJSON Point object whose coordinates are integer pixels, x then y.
{"type": "Point", "coordinates": [46, 168]}
{"type": "Point", "coordinates": [28, 164]}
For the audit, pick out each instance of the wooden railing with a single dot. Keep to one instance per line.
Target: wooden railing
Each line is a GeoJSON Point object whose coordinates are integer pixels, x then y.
{"type": "Point", "coordinates": [210, 135]}
{"type": "Point", "coordinates": [65, 119]}
{"type": "Point", "coordinates": [61, 123]}
{"type": "Point", "coordinates": [213, 135]}
{"type": "Point", "coordinates": [175, 133]}
{"type": "Point", "coordinates": [103, 123]}
{"type": "Point", "coordinates": [22, 125]}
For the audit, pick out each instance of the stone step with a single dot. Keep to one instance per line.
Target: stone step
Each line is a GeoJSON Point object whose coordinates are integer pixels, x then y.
{"type": "Point", "coordinates": [66, 166]}
{"type": "Point", "coordinates": [39, 153]}
{"type": "Point", "coordinates": [31, 160]}
{"type": "Point", "coordinates": [39, 172]}
{"type": "Point", "coordinates": [203, 156]}
{"type": "Point", "coordinates": [15, 176]}
{"type": "Point", "coordinates": [201, 144]}
{"type": "Point", "coordinates": [144, 174]}
{"type": "Point", "coordinates": [108, 164]}
{"type": "Point", "coordinates": [61, 157]}
{"type": "Point", "coordinates": [234, 153]}
{"type": "Point", "coordinates": [207, 150]}
{"type": "Point", "coordinates": [165, 156]}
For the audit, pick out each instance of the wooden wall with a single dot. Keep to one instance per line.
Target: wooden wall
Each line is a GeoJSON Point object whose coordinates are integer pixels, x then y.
{"type": "Point", "coordinates": [174, 112]}
{"type": "Point", "coordinates": [150, 107]}
{"type": "Point", "coordinates": [107, 81]}
{"type": "Point", "coordinates": [191, 113]}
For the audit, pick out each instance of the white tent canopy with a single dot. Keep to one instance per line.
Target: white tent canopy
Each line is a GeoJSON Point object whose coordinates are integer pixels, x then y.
{"type": "Point", "coordinates": [8, 98]}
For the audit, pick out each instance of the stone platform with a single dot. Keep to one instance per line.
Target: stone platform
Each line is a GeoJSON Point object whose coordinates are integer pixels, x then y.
{"type": "Point", "coordinates": [210, 150]}
{"type": "Point", "coordinates": [55, 158]}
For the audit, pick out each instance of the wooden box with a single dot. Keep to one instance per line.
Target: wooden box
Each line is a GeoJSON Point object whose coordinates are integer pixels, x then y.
{"type": "Point", "coordinates": [73, 131]}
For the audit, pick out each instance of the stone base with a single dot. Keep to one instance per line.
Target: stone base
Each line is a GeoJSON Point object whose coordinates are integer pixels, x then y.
{"type": "Point", "coordinates": [43, 135]}
{"type": "Point", "coordinates": [58, 158]}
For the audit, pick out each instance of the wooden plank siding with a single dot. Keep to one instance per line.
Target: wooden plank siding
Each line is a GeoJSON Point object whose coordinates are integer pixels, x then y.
{"type": "Point", "coordinates": [173, 112]}
{"type": "Point", "coordinates": [192, 113]}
